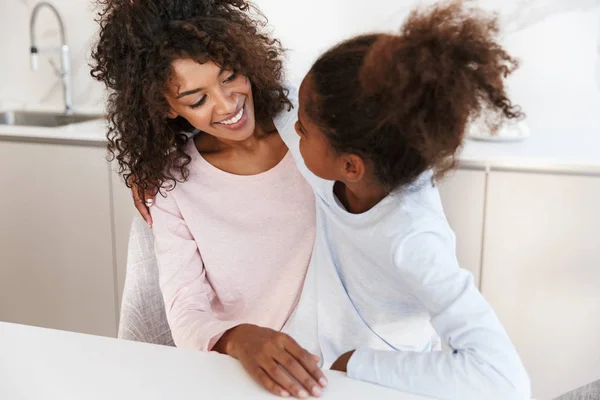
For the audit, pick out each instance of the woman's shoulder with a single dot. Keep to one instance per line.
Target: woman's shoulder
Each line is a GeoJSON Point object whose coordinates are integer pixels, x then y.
{"type": "Point", "coordinates": [171, 186]}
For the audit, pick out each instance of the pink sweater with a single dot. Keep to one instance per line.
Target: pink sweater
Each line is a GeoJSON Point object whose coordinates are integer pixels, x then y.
{"type": "Point", "coordinates": [232, 249]}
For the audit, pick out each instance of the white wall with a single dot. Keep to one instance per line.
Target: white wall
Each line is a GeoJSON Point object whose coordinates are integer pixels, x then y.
{"type": "Point", "coordinates": [556, 39]}
{"type": "Point", "coordinates": [557, 42]}
{"type": "Point", "coordinates": [309, 27]}
{"type": "Point", "coordinates": [19, 85]}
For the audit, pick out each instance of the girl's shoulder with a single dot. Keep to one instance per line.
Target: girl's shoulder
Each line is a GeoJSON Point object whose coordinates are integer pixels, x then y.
{"type": "Point", "coordinates": [418, 209]}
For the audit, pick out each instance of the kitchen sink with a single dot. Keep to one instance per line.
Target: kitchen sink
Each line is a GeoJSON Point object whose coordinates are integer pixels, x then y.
{"type": "Point", "coordinates": [43, 119]}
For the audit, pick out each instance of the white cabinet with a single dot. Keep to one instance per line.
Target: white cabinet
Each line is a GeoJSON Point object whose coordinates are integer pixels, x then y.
{"type": "Point", "coordinates": [463, 197]}
{"type": "Point", "coordinates": [56, 255]}
{"type": "Point", "coordinates": [541, 273]}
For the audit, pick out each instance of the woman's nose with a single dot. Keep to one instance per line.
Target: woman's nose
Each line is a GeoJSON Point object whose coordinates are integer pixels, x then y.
{"type": "Point", "coordinates": [226, 103]}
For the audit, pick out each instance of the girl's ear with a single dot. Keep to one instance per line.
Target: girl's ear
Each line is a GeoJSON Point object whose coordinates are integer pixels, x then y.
{"type": "Point", "coordinates": [353, 168]}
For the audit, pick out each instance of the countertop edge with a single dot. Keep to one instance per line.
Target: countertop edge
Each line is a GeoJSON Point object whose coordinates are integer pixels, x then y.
{"type": "Point", "coordinates": [53, 140]}
{"type": "Point", "coordinates": [470, 163]}
{"type": "Point", "coordinates": [532, 167]}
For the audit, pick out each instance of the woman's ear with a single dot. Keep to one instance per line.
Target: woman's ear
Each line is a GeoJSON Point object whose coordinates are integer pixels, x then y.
{"type": "Point", "coordinates": [354, 167]}
{"type": "Point", "coordinates": [172, 114]}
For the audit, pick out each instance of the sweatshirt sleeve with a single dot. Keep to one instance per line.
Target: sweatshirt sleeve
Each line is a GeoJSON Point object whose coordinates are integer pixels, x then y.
{"type": "Point", "coordinates": [187, 293]}
{"type": "Point", "coordinates": [478, 362]}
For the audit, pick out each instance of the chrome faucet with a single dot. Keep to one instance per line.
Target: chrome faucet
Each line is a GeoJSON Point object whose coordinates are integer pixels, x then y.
{"type": "Point", "coordinates": [64, 72]}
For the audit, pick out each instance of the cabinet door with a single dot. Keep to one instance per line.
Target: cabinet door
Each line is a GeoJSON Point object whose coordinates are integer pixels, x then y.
{"type": "Point", "coordinates": [541, 273]}
{"type": "Point", "coordinates": [56, 258]}
{"type": "Point", "coordinates": [123, 212]}
{"type": "Point", "coordinates": [463, 196]}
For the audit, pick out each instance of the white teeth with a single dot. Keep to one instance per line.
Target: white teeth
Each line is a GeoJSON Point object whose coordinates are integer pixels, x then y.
{"type": "Point", "coordinates": [235, 119]}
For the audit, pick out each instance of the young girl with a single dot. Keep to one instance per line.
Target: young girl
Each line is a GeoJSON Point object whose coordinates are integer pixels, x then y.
{"type": "Point", "coordinates": [380, 118]}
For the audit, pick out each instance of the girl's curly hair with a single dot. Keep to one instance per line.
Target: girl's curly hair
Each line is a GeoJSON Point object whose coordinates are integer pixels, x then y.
{"type": "Point", "coordinates": [404, 101]}
{"type": "Point", "coordinates": [139, 40]}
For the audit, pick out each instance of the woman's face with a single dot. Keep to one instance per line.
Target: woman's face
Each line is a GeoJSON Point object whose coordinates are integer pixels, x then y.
{"type": "Point", "coordinates": [213, 100]}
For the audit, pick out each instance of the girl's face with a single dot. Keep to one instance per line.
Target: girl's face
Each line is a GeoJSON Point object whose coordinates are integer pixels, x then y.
{"type": "Point", "coordinates": [320, 158]}
{"type": "Point", "coordinates": [214, 100]}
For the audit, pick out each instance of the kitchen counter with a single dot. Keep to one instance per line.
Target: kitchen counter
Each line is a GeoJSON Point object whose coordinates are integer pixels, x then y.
{"type": "Point", "coordinates": [549, 153]}
{"type": "Point", "coordinates": [90, 133]}
{"type": "Point", "coordinates": [568, 151]}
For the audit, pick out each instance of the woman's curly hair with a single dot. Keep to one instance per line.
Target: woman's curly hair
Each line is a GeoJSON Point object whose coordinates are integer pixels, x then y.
{"type": "Point", "coordinates": [139, 40]}
{"type": "Point", "coordinates": [403, 101]}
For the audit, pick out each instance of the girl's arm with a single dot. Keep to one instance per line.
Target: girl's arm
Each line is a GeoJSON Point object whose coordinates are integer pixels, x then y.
{"type": "Point", "coordinates": [479, 361]}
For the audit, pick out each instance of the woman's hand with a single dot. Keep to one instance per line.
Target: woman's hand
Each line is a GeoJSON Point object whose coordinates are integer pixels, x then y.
{"type": "Point", "coordinates": [341, 364]}
{"type": "Point", "coordinates": [143, 205]}
{"type": "Point", "coordinates": [274, 360]}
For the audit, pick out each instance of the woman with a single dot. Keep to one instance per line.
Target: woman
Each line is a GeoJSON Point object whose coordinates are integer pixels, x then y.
{"type": "Point", "coordinates": [234, 221]}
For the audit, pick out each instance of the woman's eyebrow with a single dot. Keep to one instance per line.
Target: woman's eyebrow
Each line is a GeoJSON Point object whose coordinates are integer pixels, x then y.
{"type": "Point", "coordinates": [187, 93]}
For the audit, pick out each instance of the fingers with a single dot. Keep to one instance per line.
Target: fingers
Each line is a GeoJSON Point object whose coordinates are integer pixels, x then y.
{"type": "Point", "coordinates": [265, 380]}
{"type": "Point", "coordinates": [143, 210]}
{"type": "Point", "coordinates": [307, 360]}
{"type": "Point", "coordinates": [278, 375]}
{"type": "Point", "coordinates": [149, 197]}
{"type": "Point", "coordinates": [277, 362]}
{"type": "Point", "coordinates": [143, 206]}
{"type": "Point", "coordinates": [295, 369]}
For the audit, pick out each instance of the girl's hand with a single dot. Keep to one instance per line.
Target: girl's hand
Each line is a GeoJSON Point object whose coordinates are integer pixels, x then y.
{"type": "Point", "coordinates": [274, 360]}
{"type": "Point", "coordinates": [341, 364]}
{"type": "Point", "coordinates": [143, 205]}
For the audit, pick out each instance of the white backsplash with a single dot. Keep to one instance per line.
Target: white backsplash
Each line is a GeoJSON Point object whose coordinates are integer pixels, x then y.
{"type": "Point", "coordinates": [558, 37]}
{"type": "Point", "coordinates": [19, 85]}
{"type": "Point", "coordinates": [311, 26]}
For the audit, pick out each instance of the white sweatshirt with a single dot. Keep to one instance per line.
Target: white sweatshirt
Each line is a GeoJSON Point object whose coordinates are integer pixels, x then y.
{"type": "Point", "coordinates": [385, 282]}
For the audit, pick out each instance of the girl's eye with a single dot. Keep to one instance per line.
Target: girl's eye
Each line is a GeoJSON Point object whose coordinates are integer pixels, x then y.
{"type": "Point", "coordinates": [231, 78]}
{"type": "Point", "coordinates": [199, 102]}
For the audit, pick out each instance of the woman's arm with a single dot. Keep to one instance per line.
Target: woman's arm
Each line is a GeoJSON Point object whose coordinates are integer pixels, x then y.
{"type": "Point", "coordinates": [186, 290]}
{"type": "Point", "coordinates": [480, 361]}
{"type": "Point", "coordinates": [272, 358]}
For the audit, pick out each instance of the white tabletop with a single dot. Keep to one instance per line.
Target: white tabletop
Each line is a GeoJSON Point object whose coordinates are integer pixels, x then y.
{"type": "Point", "coordinates": [38, 363]}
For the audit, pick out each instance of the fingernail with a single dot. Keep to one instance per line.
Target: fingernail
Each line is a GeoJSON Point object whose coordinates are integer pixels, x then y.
{"type": "Point", "coordinates": [149, 203]}
{"type": "Point", "coordinates": [284, 394]}
{"type": "Point", "coordinates": [303, 394]}
{"type": "Point", "coordinates": [316, 391]}
{"type": "Point", "coordinates": [323, 382]}
{"type": "Point", "coordinates": [149, 225]}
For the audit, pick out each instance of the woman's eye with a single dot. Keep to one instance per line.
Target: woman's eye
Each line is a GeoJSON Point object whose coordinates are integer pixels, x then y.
{"type": "Point", "coordinates": [199, 102]}
{"type": "Point", "coordinates": [231, 78]}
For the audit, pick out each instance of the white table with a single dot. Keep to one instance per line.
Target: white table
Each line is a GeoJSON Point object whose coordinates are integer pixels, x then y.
{"type": "Point", "coordinates": [37, 363]}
